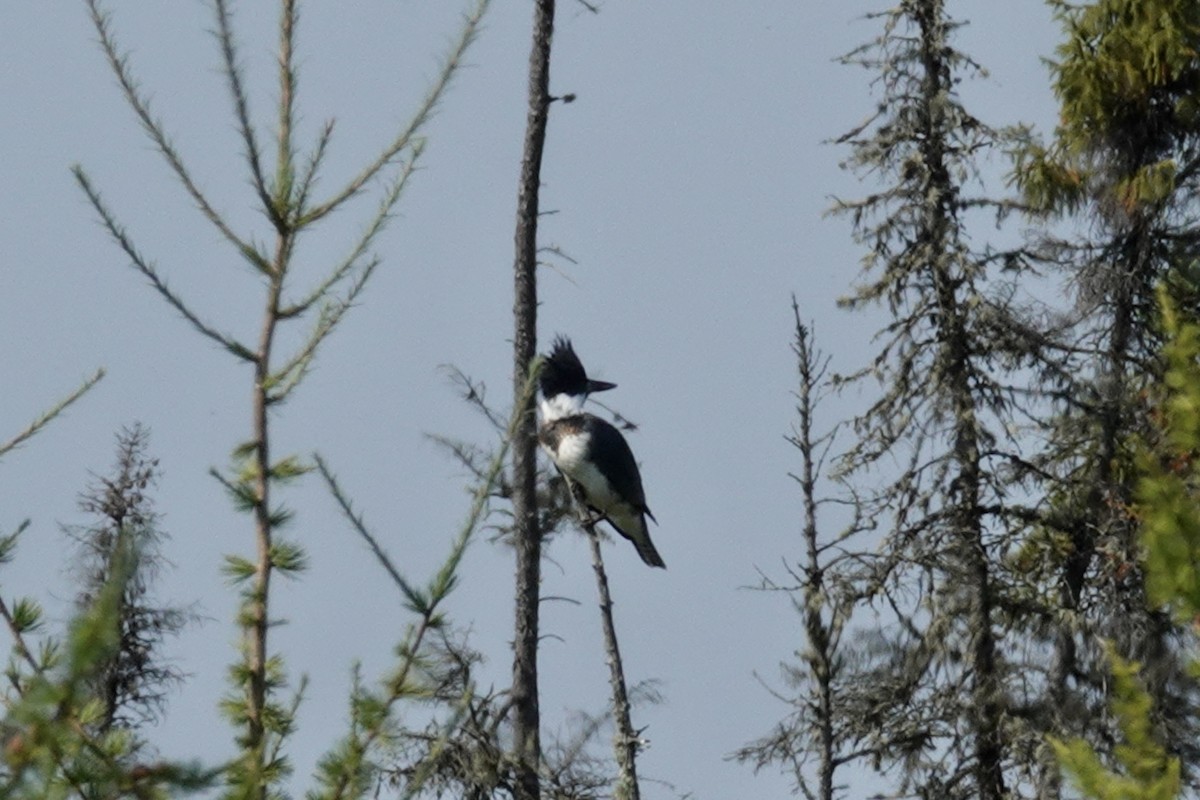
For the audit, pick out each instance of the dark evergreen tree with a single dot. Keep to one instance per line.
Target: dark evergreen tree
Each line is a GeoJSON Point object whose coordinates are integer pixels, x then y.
{"type": "Point", "coordinates": [1168, 510]}
{"type": "Point", "coordinates": [1121, 166]}
{"type": "Point", "coordinates": [123, 543]}
{"type": "Point", "coordinates": [927, 691]}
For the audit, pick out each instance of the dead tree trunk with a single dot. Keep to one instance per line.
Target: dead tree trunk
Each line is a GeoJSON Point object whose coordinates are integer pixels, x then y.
{"type": "Point", "coordinates": [527, 537]}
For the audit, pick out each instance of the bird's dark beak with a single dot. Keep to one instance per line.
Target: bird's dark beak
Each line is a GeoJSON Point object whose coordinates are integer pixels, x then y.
{"type": "Point", "coordinates": [599, 386]}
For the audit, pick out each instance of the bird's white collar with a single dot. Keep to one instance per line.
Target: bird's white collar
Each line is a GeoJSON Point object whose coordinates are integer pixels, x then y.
{"type": "Point", "coordinates": [561, 405]}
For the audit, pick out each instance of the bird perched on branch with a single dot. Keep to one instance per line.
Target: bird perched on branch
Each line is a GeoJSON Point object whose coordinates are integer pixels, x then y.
{"type": "Point", "coordinates": [590, 452]}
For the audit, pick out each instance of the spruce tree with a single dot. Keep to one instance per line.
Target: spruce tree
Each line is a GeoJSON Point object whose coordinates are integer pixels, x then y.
{"type": "Point", "coordinates": [1167, 504]}
{"type": "Point", "coordinates": [926, 695]}
{"type": "Point", "coordinates": [133, 683]}
{"type": "Point", "coordinates": [1120, 168]}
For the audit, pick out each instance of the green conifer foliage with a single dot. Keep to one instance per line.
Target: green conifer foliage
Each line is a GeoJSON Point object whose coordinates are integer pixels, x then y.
{"type": "Point", "coordinates": [1120, 169]}
{"type": "Point", "coordinates": [1144, 766]}
{"type": "Point", "coordinates": [1127, 80]}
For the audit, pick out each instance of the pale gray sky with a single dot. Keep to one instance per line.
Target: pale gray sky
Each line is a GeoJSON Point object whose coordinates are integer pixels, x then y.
{"type": "Point", "coordinates": [689, 179]}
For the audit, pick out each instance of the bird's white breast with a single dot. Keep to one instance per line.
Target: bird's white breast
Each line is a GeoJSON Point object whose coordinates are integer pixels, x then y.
{"type": "Point", "coordinates": [571, 458]}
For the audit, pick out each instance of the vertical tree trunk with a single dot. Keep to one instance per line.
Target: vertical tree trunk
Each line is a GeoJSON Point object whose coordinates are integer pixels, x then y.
{"type": "Point", "coordinates": [819, 654]}
{"type": "Point", "coordinates": [526, 740]}
{"type": "Point", "coordinates": [260, 622]}
{"type": "Point", "coordinates": [1103, 495]}
{"type": "Point", "coordinates": [955, 355]}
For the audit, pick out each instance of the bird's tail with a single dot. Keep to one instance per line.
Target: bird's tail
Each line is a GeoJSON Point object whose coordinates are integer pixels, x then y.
{"type": "Point", "coordinates": [633, 527]}
{"type": "Point", "coordinates": [645, 549]}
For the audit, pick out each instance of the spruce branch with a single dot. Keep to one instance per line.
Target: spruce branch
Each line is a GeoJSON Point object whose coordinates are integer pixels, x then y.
{"type": "Point", "coordinates": [123, 532]}
{"type": "Point", "coordinates": [51, 746]}
{"type": "Point", "coordinates": [17, 630]}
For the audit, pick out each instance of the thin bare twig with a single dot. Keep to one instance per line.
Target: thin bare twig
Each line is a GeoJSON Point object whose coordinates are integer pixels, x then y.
{"type": "Point", "coordinates": [46, 416]}
{"type": "Point", "coordinates": [626, 741]}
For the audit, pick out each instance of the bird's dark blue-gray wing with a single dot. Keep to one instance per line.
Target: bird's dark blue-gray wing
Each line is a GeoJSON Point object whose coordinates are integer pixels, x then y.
{"type": "Point", "coordinates": [610, 448]}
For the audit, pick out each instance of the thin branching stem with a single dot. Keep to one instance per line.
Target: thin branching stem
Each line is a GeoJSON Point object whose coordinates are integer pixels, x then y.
{"type": "Point", "coordinates": [288, 377]}
{"type": "Point", "coordinates": [427, 603]}
{"type": "Point", "coordinates": [154, 129]}
{"type": "Point", "coordinates": [46, 417]}
{"type": "Point", "coordinates": [146, 268]}
{"type": "Point", "coordinates": [312, 166]}
{"type": "Point", "coordinates": [285, 171]}
{"type": "Point", "coordinates": [285, 202]}
{"type": "Point", "coordinates": [241, 108]}
{"type": "Point", "coordinates": [418, 121]}
{"type": "Point", "coordinates": [363, 245]}
{"type": "Point", "coordinates": [355, 518]}
{"type": "Point", "coordinates": [626, 741]}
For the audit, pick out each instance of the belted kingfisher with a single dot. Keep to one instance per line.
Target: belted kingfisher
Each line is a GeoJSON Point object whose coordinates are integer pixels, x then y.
{"type": "Point", "coordinates": [591, 453]}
